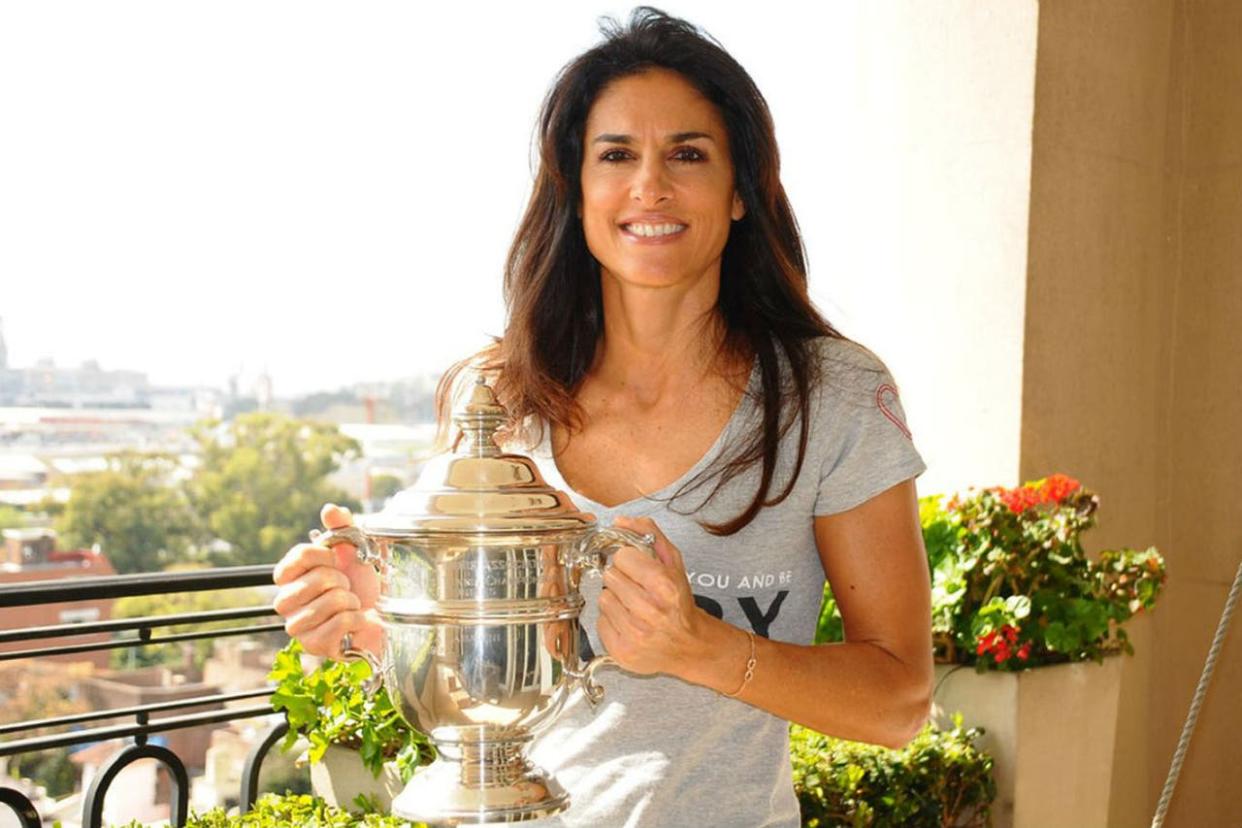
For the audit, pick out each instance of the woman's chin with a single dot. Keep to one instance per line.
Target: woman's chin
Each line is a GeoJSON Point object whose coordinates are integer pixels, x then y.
{"type": "Point", "coordinates": [649, 278]}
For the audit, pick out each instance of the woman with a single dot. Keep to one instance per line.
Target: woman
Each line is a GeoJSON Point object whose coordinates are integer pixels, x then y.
{"type": "Point", "coordinates": [666, 368]}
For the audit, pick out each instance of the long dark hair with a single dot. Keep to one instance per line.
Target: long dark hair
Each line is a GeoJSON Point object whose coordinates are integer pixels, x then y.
{"type": "Point", "coordinates": [555, 315]}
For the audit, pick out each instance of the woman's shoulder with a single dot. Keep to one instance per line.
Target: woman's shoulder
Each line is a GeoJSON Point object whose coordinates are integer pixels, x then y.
{"type": "Point", "coordinates": [842, 352]}
{"type": "Point", "coordinates": [846, 369]}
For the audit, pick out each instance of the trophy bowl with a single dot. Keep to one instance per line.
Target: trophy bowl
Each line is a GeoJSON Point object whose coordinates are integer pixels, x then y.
{"type": "Point", "coordinates": [479, 565]}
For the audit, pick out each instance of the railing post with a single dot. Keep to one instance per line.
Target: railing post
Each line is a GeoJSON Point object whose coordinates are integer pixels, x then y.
{"type": "Point", "coordinates": [23, 807]}
{"type": "Point", "coordinates": [254, 763]}
{"type": "Point", "coordinates": [179, 806]}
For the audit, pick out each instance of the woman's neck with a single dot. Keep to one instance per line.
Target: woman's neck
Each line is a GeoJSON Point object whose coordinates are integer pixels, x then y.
{"type": "Point", "coordinates": [658, 342]}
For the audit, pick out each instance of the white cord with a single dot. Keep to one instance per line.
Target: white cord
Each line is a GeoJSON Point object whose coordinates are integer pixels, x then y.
{"type": "Point", "coordinates": [1193, 716]}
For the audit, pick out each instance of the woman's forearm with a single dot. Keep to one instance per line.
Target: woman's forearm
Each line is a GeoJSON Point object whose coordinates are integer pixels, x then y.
{"type": "Point", "coordinates": [850, 690]}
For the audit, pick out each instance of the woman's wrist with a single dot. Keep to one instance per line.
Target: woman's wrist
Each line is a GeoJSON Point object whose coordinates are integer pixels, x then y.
{"type": "Point", "coordinates": [720, 662]}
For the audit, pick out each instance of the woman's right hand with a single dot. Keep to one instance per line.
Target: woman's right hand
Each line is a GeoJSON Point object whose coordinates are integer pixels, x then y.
{"type": "Point", "coordinates": [327, 592]}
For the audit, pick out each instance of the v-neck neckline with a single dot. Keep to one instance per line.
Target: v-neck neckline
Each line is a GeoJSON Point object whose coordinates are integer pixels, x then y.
{"type": "Point", "coordinates": [545, 450]}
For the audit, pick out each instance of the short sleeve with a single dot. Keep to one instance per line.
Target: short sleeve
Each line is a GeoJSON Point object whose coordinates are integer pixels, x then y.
{"type": "Point", "coordinates": [860, 433]}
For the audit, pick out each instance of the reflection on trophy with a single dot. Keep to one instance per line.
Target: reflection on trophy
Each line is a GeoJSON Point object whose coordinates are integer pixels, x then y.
{"type": "Point", "coordinates": [479, 568]}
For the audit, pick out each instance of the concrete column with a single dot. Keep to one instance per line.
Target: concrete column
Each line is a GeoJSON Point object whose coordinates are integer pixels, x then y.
{"type": "Point", "coordinates": [1132, 355]}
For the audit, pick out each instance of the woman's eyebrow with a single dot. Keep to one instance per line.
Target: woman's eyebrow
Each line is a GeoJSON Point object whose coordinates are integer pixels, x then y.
{"type": "Point", "coordinates": [674, 138]}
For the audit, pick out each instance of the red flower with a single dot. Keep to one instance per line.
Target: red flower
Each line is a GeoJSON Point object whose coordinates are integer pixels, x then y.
{"type": "Point", "coordinates": [1058, 487]}
{"type": "Point", "coordinates": [1024, 651]}
{"type": "Point", "coordinates": [1017, 500]}
{"type": "Point", "coordinates": [1053, 489]}
{"type": "Point", "coordinates": [999, 643]}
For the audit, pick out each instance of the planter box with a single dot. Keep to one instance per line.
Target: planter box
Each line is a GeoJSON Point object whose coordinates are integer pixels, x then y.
{"type": "Point", "coordinates": [1050, 731]}
{"type": "Point", "coordinates": [340, 776]}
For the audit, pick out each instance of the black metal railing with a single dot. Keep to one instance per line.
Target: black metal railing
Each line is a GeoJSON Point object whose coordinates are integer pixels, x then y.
{"type": "Point", "coordinates": [36, 593]}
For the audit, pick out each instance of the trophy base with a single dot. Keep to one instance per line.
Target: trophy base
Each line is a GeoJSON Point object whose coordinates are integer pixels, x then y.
{"type": "Point", "coordinates": [449, 792]}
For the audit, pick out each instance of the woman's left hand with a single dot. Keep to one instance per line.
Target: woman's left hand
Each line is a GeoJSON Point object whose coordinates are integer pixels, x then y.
{"type": "Point", "coordinates": [648, 620]}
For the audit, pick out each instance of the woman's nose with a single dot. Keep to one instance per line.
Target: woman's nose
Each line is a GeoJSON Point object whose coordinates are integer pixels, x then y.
{"type": "Point", "coordinates": [650, 184]}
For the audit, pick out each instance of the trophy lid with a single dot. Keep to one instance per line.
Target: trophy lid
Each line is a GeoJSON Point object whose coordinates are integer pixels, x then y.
{"type": "Point", "coordinates": [478, 488]}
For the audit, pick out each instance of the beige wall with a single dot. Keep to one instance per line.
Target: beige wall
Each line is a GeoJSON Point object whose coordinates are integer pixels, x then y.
{"type": "Point", "coordinates": [1133, 359]}
{"type": "Point", "coordinates": [1202, 525]}
{"type": "Point", "coordinates": [941, 126]}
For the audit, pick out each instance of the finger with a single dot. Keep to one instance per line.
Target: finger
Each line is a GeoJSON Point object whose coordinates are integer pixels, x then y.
{"type": "Point", "coordinates": [300, 559]}
{"type": "Point", "coordinates": [325, 639]}
{"type": "Point", "coordinates": [294, 595]}
{"type": "Point", "coordinates": [665, 551]}
{"type": "Point", "coordinates": [608, 633]}
{"type": "Point", "coordinates": [338, 517]}
{"type": "Point", "coordinates": [638, 601]}
{"type": "Point", "coordinates": [320, 610]}
{"type": "Point", "coordinates": [335, 517]}
{"type": "Point", "coordinates": [636, 564]}
{"type": "Point", "coordinates": [622, 619]}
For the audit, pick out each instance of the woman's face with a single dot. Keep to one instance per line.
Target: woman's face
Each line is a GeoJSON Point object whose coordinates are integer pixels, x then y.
{"type": "Point", "coordinates": [657, 182]}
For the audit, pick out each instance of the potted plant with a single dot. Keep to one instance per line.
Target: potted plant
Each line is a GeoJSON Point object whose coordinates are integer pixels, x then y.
{"type": "Point", "coordinates": [361, 752]}
{"type": "Point", "coordinates": [1025, 628]}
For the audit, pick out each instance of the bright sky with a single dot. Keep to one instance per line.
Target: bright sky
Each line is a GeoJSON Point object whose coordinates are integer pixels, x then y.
{"type": "Point", "coordinates": [327, 190]}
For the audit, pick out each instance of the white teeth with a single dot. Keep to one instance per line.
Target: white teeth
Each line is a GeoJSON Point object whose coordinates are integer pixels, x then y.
{"type": "Point", "coordinates": [654, 229]}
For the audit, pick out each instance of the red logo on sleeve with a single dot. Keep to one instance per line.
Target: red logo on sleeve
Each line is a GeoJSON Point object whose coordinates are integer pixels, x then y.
{"type": "Point", "coordinates": [885, 396]}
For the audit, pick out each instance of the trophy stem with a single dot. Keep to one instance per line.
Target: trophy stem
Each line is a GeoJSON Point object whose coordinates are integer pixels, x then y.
{"type": "Point", "coordinates": [471, 783]}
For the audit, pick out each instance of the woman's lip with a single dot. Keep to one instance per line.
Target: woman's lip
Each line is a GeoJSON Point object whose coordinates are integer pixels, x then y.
{"type": "Point", "coordinates": [662, 239]}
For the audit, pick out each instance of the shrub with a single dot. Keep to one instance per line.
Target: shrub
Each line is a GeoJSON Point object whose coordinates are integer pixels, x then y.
{"type": "Point", "coordinates": [939, 779]}
{"type": "Point", "coordinates": [291, 811]}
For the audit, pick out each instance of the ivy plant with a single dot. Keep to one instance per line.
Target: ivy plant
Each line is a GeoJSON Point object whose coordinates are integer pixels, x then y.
{"type": "Point", "coordinates": [327, 706]}
{"type": "Point", "coordinates": [291, 811]}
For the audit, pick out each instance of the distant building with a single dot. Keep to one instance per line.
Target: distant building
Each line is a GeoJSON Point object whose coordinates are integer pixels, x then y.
{"type": "Point", "coordinates": [87, 386]}
{"type": "Point", "coordinates": [114, 689]}
{"type": "Point", "coordinates": [31, 555]}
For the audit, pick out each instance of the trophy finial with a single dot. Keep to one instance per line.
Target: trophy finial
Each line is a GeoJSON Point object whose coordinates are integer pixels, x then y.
{"type": "Point", "coordinates": [479, 420]}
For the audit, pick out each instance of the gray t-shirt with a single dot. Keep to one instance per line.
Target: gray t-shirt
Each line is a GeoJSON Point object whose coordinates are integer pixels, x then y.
{"type": "Point", "coordinates": [658, 751]}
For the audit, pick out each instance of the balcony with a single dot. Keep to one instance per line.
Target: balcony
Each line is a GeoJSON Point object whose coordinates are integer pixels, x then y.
{"type": "Point", "coordinates": [180, 720]}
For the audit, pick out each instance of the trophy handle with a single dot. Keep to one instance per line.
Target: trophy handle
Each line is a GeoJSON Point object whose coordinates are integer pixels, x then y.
{"type": "Point", "coordinates": [352, 535]}
{"type": "Point", "coordinates": [372, 684]}
{"type": "Point", "coordinates": [595, 556]}
{"type": "Point", "coordinates": [593, 690]}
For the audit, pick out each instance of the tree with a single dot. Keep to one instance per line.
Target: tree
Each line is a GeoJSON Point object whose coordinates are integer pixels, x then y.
{"type": "Point", "coordinates": [384, 486]}
{"type": "Point", "coordinates": [133, 510]}
{"type": "Point", "coordinates": [31, 690]}
{"type": "Point", "coordinates": [262, 480]}
{"type": "Point", "coordinates": [174, 654]}
{"type": "Point", "coordinates": [11, 517]}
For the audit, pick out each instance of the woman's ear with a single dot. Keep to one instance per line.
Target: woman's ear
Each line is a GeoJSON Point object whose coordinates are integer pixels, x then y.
{"type": "Point", "coordinates": [739, 209]}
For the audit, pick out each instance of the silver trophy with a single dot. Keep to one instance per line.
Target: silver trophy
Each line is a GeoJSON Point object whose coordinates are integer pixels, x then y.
{"type": "Point", "coordinates": [479, 567]}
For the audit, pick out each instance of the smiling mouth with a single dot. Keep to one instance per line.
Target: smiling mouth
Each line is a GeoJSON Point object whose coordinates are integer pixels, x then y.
{"type": "Point", "coordinates": [653, 230]}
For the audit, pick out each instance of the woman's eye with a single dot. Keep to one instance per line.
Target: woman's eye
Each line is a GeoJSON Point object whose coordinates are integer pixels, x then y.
{"type": "Point", "coordinates": [681, 154]}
